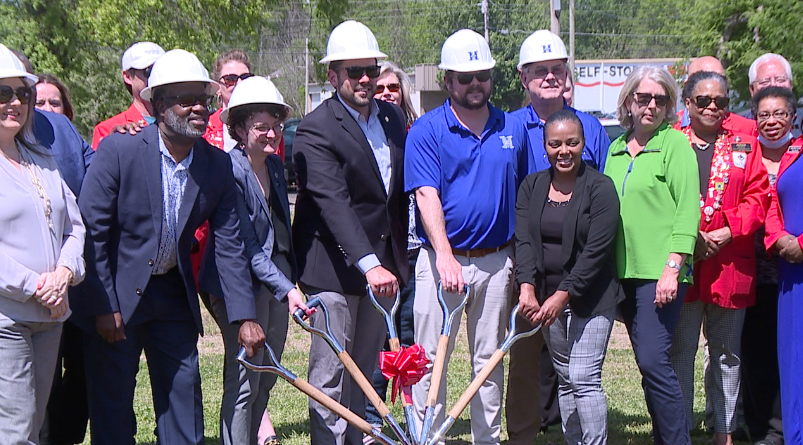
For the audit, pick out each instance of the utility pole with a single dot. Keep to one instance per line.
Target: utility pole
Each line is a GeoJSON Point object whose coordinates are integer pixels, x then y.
{"type": "Point", "coordinates": [554, 16]}
{"type": "Point", "coordinates": [484, 6]}
{"type": "Point", "coordinates": [571, 37]}
{"type": "Point", "coordinates": [306, 76]}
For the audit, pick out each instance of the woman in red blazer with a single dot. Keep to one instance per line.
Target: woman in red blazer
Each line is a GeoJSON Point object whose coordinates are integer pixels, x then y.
{"type": "Point", "coordinates": [733, 199]}
{"type": "Point", "coordinates": [784, 227]}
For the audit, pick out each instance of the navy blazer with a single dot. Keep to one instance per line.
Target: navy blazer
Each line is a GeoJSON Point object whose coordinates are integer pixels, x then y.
{"type": "Point", "coordinates": [121, 201]}
{"type": "Point", "coordinates": [256, 228]}
{"type": "Point", "coordinates": [70, 150]}
{"type": "Point", "coordinates": [343, 212]}
{"type": "Point", "coordinates": [589, 232]}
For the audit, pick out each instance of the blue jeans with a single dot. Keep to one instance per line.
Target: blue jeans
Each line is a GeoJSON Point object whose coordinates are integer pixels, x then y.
{"type": "Point", "coordinates": [404, 326]}
{"type": "Point", "coordinates": [651, 331]}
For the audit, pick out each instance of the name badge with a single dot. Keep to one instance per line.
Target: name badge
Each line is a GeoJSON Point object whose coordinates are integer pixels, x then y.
{"type": "Point", "coordinates": [794, 149]}
{"type": "Point", "coordinates": [745, 147]}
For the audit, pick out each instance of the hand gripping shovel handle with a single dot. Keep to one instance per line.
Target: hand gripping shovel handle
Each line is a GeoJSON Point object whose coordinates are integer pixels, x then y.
{"type": "Point", "coordinates": [440, 359]}
{"type": "Point", "coordinates": [482, 376]}
{"type": "Point", "coordinates": [395, 345]}
{"type": "Point", "coordinates": [356, 375]}
{"type": "Point", "coordinates": [315, 394]}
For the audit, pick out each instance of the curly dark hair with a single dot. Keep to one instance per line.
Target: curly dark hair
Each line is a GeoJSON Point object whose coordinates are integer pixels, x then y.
{"type": "Point", "coordinates": [238, 115]}
{"type": "Point", "coordinates": [776, 92]}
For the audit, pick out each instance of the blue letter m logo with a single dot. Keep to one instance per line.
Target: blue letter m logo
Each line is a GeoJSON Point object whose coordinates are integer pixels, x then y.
{"type": "Point", "coordinates": [473, 55]}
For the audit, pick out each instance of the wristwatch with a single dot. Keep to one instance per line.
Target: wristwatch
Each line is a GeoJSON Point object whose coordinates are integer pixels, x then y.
{"type": "Point", "coordinates": [673, 264]}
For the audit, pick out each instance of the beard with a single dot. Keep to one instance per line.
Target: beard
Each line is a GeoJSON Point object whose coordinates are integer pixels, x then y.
{"type": "Point", "coordinates": [471, 104]}
{"type": "Point", "coordinates": [182, 126]}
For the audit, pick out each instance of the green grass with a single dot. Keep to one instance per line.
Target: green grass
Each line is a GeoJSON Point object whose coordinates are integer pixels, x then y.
{"type": "Point", "coordinates": [628, 418]}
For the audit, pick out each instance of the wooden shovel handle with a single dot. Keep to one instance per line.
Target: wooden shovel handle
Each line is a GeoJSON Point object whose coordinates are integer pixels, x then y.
{"type": "Point", "coordinates": [359, 378]}
{"type": "Point", "coordinates": [332, 405]}
{"type": "Point", "coordinates": [475, 385]}
{"type": "Point", "coordinates": [437, 370]}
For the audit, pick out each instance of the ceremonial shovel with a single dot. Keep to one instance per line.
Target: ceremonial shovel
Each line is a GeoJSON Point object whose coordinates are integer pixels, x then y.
{"type": "Point", "coordinates": [395, 345]}
{"type": "Point", "coordinates": [440, 361]}
{"type": "Point", "coordinates": [482, 376]}
{"type": "Point", "coordinates": [315, 394]}
{"type": "Point", "coordinates": [356, 375]}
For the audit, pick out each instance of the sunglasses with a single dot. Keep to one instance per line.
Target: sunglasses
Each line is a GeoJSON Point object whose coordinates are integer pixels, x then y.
{"type": "Point", "coordinates": [644, 99]}
{"type": "Point", "coordinates": [356, 72]}
{"type": "Point", "coordinates": [392, 87]}
{"type": "Point", "coordinates": [190, 100]}
{"type": "Point", "coordinates": [705, 101]}
{"type": "Point", "coordinates": [231, 79]}
{"type": "Point", "coordinates": [467, 78]}
{"type": "Point", "coordinates": [7, 94]}
{"type": "Point", "coordinates": [540, 72]}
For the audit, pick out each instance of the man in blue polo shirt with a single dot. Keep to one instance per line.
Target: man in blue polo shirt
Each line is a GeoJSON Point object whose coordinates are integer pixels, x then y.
{"type": "Point", "coordinates": [532, 382]}
{"type": "Point", "coordinates": [465, 161]}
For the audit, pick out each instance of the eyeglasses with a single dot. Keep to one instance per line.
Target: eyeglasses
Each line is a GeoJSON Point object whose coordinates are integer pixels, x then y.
{"type": "Point", "coordinates": [392, 87]}
{"type": "Point", "coordinates": [190, 100]}
{"type": "Point", "coordinates": [779, 115]}
{"type": "Point", "coordinates": [704, 101]}
{"type": "Point", "coordinates": [231, 79]}
{"type": "Point", "coordinates": [644, 99]}
{"type": "Point", "coordinates": [7, 94]}
{"type": "Point", "coordinates": [261, 129]}
{"type": "Point", "coordinates": [540, 72]}
{"type": "Point", "coordinates": [356, 72]}
{"type": "Point", "coordinates": [768, 80]}
{"type": "Point", "coordinates": [467, 78]}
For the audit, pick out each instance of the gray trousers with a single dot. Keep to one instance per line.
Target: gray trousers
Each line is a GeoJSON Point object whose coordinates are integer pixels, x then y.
{"type": "Point", "coordinates": [487, 313]}
{"type": "Point", "coordinates": [28, 353]}
{"type": "Point", "coordinates": [578, 346]}
{"type": "Point", "coordinates": [361, 330]}
{"type": "Point", "coordinates": [246, 393]}
{"type": "Point", "coordinates": [723, 331]}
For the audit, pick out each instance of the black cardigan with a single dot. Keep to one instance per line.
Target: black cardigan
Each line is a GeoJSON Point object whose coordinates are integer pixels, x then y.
{"type": "Point", "coordinates": [589, 232]}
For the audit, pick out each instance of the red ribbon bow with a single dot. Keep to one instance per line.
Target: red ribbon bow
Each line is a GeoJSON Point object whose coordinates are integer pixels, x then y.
{"type": "Point", "coordinates": [405, 366]}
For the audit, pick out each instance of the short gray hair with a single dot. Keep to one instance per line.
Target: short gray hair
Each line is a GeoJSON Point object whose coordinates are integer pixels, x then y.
{"type": "Point", "coordinates": [768, 57]}
{"type": "Point", "coordinates": [658, 75]}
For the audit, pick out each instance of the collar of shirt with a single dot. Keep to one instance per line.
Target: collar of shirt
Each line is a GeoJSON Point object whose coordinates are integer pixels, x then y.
{"type": "Point", "coordinates": [653, 145]}
{"type": "Point", "coordinates": [373, 110]}
{"type": "Point", "coordinates": [183, 165]}
{"type": "Point", "coordinates": [532, 119]}
{"type": "Point", "coordinates": [495, 119]}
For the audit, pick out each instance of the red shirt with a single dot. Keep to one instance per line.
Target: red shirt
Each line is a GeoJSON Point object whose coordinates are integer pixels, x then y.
{"type": "Point", "coordinates": [774, 224]}
{"type": "Point", "coordinates": [740, 124]}
{"type": "Point", "coordinates": [105, 128]}
{"type": "Point", "coordinates": [728, 278]}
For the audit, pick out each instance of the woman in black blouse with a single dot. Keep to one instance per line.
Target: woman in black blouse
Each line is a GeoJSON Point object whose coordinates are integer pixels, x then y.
{"type": "Point", "coordinates": [566, 221]}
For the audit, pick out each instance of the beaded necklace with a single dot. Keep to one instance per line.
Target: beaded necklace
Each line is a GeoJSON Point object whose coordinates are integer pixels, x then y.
{"type": "Point", "coordinates": [720, 171]}
{"type": "Point", "coordinates": [40, 190]}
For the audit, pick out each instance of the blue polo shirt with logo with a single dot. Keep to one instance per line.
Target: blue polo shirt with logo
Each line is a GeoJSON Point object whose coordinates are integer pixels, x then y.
{"type": "Point", "coordinates": [477, 177]}
{"type": "Point", "coordinates": [597, 141]}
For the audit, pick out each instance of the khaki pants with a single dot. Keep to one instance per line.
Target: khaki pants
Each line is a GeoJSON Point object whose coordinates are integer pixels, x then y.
{"type": "Point", "coordinates": [488, 309]}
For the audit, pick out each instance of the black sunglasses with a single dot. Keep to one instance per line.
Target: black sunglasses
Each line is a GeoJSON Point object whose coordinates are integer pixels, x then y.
{"type": "Point", "coordinates": [231, 79]}
{"type": "Point", "coordinates": [356, 72]}
{"type": "Point", "coordinates": [466, 78]}
{"type": "Point", "coordinates": [705, 101]}
{"type": "Point", "coordinates": [644, 99]}
{"type": "Point", "coordinates": [7, 94]}
{"type": "Point", "coordinates": [190, 100]}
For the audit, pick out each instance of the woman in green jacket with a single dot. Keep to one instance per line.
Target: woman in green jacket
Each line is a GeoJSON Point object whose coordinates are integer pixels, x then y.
{"type": "Point", "coordinates": [655, 173]}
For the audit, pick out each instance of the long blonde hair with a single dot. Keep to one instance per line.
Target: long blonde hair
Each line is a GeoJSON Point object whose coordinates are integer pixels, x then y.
{"type": "Point", "coordinates": [404, 80]}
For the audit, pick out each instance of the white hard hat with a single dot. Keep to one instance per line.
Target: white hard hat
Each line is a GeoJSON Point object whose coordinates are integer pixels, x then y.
{"type": "Point", "coordinates": [141, 55]}
{"type": "Point", "coordinates": [352, 40]}
{"type": "Point", "coordinates": [177, 66]}
{"type": "Point", "coordinates": [11, 66]}
{"type": "Point", "coordinates": [541, 45]}
{"type": "Point", "coordinates": [254, 90]}
{"type": "Point", "coordinates": [466, 51]}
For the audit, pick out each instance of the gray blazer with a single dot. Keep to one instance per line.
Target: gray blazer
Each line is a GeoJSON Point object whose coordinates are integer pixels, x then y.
{"type": "Point", "coordinates": [256, 229]}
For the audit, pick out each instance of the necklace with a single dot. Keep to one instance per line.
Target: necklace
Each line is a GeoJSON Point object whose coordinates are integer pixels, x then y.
{"type": "Point", "coordinates": [40, 190]}
{"type": "Point", "coordinates": [558, 203]}
{"type": "Point", "coordinates": [720, 173]}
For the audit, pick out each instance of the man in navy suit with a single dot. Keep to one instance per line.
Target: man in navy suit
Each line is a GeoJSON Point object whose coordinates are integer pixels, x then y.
{"type": "Point", "coordinates": [142, 200]}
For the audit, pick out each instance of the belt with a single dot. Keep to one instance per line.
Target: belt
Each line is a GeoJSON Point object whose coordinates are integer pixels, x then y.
{"type": "Point", "coordinates": [476, 253]}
